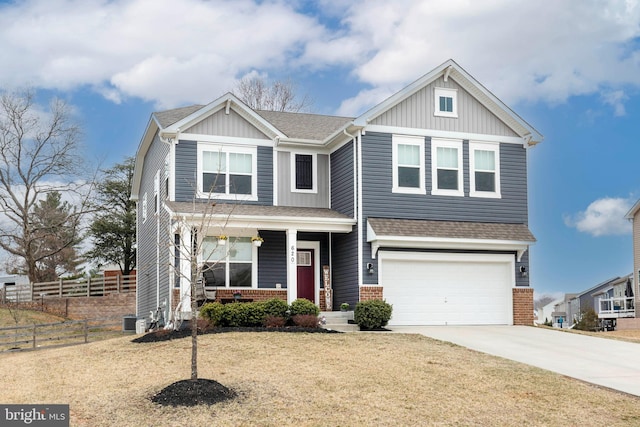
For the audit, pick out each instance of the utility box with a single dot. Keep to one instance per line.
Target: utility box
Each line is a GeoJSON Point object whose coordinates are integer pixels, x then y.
{"type": "Point", "coordinates": [141, 326]}
{"type": "Point", "coordinates": [129, 323]}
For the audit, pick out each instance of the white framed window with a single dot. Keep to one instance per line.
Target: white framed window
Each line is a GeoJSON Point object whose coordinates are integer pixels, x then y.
{"type": "Point", "coordinates": [156, 192]}
{"type": "Point", "coordinates": [230, 265]}
{"type": "Point", "coordinates": [227, 171]}
{"type": "Point", "coordinates": [484, 169]}
{"type": "Point", "coordinates": [304, 173]}
{"type": "Point", "coordinates": [445, 102]}
{"type": "Point", "coordinates": [408, 164]}
{"type": "Point", "coordinates": [144, 207]}
{"type": "Point", "coordinates": [446, 168]}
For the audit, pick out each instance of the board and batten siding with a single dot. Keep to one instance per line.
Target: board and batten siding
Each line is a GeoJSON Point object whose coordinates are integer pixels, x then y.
{"type": "Point", "coordinates": [153, 238]}
{"type": "Point", "coordinates": [342, 180]}
{"type": "Point", "coordinates": [222, 124]}
{"type": "Point", "coordinates": [417, 112]}
{"type": "Point", "coordinates": [186, 165]}
{"type": "Point", "coordinates": [286, 197]}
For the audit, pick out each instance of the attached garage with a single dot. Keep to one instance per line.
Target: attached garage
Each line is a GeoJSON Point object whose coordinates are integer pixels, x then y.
{"type": "Point", "coordinates": [435, 288]}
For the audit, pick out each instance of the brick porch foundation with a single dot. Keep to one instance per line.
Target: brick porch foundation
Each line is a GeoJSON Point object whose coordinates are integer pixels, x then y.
{"type": "Point", "coordinates": [370, 292]}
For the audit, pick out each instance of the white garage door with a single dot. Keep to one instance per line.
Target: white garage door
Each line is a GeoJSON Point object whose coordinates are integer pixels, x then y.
{"type": "Point", "coordinates": [448, 289]}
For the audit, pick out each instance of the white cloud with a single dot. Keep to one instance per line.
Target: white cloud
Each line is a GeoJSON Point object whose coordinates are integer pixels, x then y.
{"type": "Point", "coordinates": [602, 217]}
{"type": "Point", "coordinates": [192, 51]}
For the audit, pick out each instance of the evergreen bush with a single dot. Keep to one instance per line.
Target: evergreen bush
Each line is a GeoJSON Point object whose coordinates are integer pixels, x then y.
{"type": "Point", "coordinates": [372, 314]}
{"type": "Point", "coordinates": [304, 306]}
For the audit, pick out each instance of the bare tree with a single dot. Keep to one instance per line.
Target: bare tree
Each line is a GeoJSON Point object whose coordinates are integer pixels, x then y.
{"type": "Point", "coordinates": [278, 96]}
{"type": "Point", "coordinates": [39, 154]}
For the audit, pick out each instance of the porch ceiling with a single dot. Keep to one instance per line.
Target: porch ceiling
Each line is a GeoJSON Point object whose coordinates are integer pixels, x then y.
{"type": "Point", "coordinates": [264, 217]}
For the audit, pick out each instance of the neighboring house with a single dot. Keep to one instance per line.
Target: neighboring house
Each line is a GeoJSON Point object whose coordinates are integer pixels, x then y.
{"type": "Point", "coordinates": [634, 216]}
{"type": "Point", "coordinates": [545, 312]}
{"type": "Point", "coordinates": [15, 287]}
{"type": "Point", "coordinates": [421, 201]}
{"type": "Point", "coordinates": [611, 299]}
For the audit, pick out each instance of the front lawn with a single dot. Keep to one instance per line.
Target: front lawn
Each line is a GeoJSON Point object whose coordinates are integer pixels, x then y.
{"type": "Point", "coordinates": [308, 380]}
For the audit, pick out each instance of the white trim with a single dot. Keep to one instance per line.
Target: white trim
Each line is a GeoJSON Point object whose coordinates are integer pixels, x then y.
{"type": "Point", "coordinates": [144, 207]}
{"type": "Point", "coordinates": [317, 270]}
{"type": "Point", "coordinates": [203, 146]}
{"type": "Point", "coordinates": [292, 271]}
{"type": "Point", "coordinates": [314, 172]}
{"type": "Point", "coordinates": [408, 140]}
{"type": "Point", "coordinates": [226, 140]}
{"type": "Point", "coordinates": [484, 146]}
{"type": "Point", "coordinates": [359, 214]}
{"type": "Point", "coordinates": [446, 143]}
{"type": "Point", "coordinates": [275, 175]}
{"type": "Point", "coordinates": [434, 133]}
{"type": "Point", "coordinates": [441, 92]}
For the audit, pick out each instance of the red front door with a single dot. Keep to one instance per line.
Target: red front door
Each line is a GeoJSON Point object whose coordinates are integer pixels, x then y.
{"type": "Point", "coordinates": [306, 278]}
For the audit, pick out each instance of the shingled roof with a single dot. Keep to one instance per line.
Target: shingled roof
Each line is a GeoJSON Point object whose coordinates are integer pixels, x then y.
{"type": "Point", "coordinates": [168, 117]}
{"type": "Point", "coordinates": [451, 229]}
{"type": "Point", "coordinates": [293, 125]}
{"type": "Point", "coordinates": [304, 125]}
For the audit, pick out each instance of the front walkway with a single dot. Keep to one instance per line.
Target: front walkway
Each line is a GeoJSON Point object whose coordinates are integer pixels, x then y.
{"type": "Point", "coordinates": [605, 362]}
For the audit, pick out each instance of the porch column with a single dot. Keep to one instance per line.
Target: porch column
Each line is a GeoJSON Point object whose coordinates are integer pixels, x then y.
{"type": "Point", "coordinates": [292, 270]}
{"type": "Point", "coordinates": [184, 248]}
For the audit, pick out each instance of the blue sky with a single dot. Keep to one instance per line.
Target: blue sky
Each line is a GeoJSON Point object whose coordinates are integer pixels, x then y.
{"type": "Point", "coordinates": [571, 69]}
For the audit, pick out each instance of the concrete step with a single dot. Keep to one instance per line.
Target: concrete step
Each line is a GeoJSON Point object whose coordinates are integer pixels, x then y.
{"type": "Point", "coordinates": [338, 321]}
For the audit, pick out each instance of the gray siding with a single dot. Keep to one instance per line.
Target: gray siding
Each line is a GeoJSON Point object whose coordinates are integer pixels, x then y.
{"type": "Point", "coordinates": [272, 259]}
{"type": "Point", "coordinates": [417, 112]}
{"type": "Point", "coordinates": [344, 269]}
{"type": "Point", "coordinates": [186, 168]}
{"type": "Point", "coordinates": [342, 180]}
{"type": "Point", "coordinates": [379, 201]}
{"type": "Point", "coordinates": [154, 241]}
{"type": "Point", "coordinates": [223, 124]}
{"type": "Point", "coordinates": [286, 197]}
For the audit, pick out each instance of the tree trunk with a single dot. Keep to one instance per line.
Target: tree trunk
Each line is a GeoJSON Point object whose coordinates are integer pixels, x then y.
{"type": "Point", "coordinates": [194, 320]}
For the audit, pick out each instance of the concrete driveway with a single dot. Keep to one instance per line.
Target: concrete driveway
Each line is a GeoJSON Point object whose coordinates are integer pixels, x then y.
{"type": "Point", "coordinates": [601, 361]}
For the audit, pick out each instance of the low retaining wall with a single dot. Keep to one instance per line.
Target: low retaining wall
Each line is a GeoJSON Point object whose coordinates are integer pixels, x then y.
{"type": "Point", "coordinates": [627, 323]}
{"type": "Point", "coordinates": [108, 306]}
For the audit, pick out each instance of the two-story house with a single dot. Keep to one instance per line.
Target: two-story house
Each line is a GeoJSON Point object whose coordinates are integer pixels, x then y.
{"type": "Point", "coordinates": [421, 201]}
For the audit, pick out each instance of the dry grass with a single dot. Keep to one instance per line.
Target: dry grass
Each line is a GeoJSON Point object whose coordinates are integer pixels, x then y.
{"type": "Point", "coordinates": [631, 335]}
{"type": "Point", "coordinates": [309, 380]}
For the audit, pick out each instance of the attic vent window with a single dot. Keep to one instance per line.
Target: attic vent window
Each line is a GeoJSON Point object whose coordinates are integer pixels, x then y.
{"type": "Point", "coordinates": [446, 102]}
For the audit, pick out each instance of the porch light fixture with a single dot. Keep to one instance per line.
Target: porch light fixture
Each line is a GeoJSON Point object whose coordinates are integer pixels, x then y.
{"type": "Point", "coordinates": [370, 268]}
{"type": "Point", "coordinates": [523, 271]}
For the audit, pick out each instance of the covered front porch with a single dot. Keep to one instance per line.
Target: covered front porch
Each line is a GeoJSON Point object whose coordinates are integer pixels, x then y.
{"type": "Point", "coordinates": [253, 252]}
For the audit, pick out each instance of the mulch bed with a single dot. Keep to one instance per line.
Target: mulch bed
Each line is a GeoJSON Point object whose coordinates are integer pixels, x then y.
{"type": "Point", "coordinates": [166, 335]}
{"type": "Point", "coordinates": [192, 393]}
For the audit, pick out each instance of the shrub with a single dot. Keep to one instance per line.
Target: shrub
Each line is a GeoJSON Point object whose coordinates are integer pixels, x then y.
{"type": "Point", "coordinates": [202, 324]}
{"type": "Point", "coordinates": [305, 320]}
{"type": "Point", "coordinates": [588, 320]}
{"type": "Point", "coordinates": [274, 321]}
{"type": "Point", "coordinates": [372, 314]}
{"type": "Point", "coordinates": [212, 311]}
{"type": "Point", "coordinates": [275, 307]}
{"type": "Point", "coordinates": [243, 314]}
{"type": "Point", "coordinates": [304, 306]}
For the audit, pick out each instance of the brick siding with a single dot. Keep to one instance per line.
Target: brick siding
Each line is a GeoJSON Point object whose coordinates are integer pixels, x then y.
{"type": "Point", "coordinates": [108, 306]}
{"type": "Point", "coordinates": [523, 306]}
{"type": "Point", "coordinates": [370, 292]}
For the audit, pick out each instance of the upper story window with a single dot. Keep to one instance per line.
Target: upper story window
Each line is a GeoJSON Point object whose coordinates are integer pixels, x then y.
{"type": "Point", "coordinates": [446, 171]}
{"type": "Point", "coordinates": [156, 190]}
{"type": "Point", "coordinates": [484, 173]}
{"type": "Point", "coordinates": [227, 172]}
{"type": "Point", "coordinates": [408, 164]}
{"type": "Point", "coordinates": [144, 207]}
{"type": "Point", "coordinates": [446, 102]}
{"type": "Point", "coordinates": [304, 173]}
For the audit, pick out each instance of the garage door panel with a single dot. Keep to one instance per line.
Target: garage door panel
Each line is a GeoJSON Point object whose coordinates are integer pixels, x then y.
{"type": "Point", "coordinates": [448, 289]}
